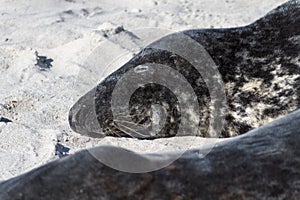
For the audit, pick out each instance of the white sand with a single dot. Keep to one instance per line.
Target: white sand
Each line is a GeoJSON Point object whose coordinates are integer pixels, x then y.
{"type": "Point", "coordinates": [71, 33]}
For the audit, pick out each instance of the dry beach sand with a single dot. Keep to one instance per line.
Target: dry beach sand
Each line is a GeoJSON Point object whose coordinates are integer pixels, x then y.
{"type": "Point", "coordinates": [86, 40]}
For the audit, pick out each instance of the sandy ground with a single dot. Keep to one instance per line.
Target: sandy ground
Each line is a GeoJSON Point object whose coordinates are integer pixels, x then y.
{"type": "Point", "coordinates": [82, 39]}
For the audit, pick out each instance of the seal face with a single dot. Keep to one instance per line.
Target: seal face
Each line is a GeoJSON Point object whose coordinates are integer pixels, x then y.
{"type": "Point", "coordinates": [259, 65]}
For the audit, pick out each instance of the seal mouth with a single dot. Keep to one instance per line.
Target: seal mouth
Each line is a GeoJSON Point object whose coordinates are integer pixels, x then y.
{"type": "Point", "coordinates": [83, 118]}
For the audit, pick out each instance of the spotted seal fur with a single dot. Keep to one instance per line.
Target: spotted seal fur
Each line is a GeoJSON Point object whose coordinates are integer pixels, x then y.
{"type": "Point", "coordinates": [259, 65]}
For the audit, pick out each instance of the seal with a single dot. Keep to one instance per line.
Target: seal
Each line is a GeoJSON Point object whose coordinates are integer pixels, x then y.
{"type": "Point", "coordinates": [259, 65]}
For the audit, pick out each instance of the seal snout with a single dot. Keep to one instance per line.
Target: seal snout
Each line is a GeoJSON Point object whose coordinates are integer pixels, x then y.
{"type": "Point", "coordinates": [83, 118]}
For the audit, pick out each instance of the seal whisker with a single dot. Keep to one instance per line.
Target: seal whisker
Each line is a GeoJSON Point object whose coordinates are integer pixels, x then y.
{"type": "Point", "coordinates": [124, 126]}
{"type": "Point", "coordinates": [122, 129]}
{"type": "Point", "coordinates": [129, 122]}
{"type": "Point", "coordinates": [115, 132]}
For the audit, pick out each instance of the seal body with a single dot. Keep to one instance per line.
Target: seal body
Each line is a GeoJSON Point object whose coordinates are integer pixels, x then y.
{"type": "Point", "coordinates": [259, 65]}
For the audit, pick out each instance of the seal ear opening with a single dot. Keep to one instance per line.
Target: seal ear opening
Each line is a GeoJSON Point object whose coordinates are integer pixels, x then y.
{"type": "Point", "coordinates": [83, 118]}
